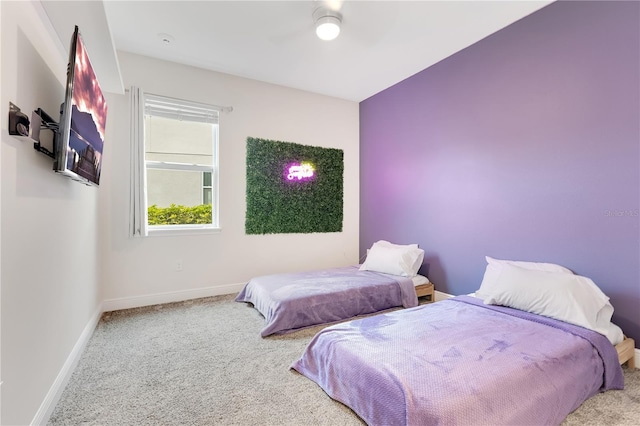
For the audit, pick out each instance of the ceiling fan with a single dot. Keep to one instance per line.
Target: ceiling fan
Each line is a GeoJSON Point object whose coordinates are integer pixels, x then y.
{"type": "Point", "coordinates": [361, 22]}
{"type": "Point", "coordinates": [327, 19]}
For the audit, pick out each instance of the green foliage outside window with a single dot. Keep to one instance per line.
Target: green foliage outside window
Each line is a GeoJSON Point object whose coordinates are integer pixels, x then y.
{"type": "Point", "coordinates": [179, 215]}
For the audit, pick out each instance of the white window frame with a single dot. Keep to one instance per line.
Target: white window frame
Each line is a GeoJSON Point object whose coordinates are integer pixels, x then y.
{"type": "Point", "coordinates": [182, 110]}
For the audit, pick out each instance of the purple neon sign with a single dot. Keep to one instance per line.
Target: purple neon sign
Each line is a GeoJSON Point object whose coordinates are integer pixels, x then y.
{"type": "Point", "coordinates": [300, 172]}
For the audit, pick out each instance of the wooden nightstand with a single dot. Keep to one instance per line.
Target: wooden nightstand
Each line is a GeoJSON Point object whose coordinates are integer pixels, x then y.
{"type": "Point", "coordinates": [425, 290]}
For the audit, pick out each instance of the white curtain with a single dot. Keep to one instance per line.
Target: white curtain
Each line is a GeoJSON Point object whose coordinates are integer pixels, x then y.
{"type": "Point", "coordinates": [138, 184]}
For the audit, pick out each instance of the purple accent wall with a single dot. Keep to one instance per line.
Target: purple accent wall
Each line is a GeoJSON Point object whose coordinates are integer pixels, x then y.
{"type": "Point", "coordinates": [523, 146]}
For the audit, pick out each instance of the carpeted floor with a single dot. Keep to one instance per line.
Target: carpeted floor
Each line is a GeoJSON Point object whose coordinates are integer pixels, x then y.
{"type": "Point", "coordinates": [203, 362]}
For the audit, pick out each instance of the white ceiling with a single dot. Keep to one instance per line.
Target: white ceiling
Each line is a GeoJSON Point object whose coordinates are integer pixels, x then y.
{"type": "Point", "coordinates": [381, 42]}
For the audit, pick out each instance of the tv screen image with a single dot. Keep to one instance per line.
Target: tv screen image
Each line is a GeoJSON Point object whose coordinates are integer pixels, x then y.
{"type": "Point", "coordinates": [82, 120]}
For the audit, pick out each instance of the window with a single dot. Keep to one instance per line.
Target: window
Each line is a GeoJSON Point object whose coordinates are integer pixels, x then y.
{"type": "Point", "coordinates": [181, 161]}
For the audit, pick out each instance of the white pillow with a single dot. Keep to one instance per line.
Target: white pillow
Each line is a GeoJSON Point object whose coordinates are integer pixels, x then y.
{"type": "Point", "coordinates": [566, 297]}
{"type": "Point", "coordinates": [393, 259]}
{"type": "Point", "coordinates": [494, 266]}
{"type": "Point", "coordinates": [540, 266]}
{"type": "Point", "coordinates": [413, 270]}
{"type": "Point", "coordinates": [391, 245]}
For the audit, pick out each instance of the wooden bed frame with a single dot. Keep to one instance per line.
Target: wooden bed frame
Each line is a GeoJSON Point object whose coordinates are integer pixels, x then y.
{"type": "Point", "coordinates": [425, 290]}
{"type": "Point", "coordinates": [626, 352]}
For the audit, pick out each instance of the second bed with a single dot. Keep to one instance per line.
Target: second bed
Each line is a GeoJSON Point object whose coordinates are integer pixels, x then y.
{"type": "Point", "coordinates": [296, 300]}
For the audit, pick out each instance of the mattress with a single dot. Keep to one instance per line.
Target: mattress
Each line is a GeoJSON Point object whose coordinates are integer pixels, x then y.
{"type": "Point", "coordinates": [460, 362]}
{"type": "Point", "coordinates": [295, 300]}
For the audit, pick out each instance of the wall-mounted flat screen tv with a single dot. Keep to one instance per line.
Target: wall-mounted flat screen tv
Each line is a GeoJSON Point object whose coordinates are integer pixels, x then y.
{"type": "Point", "coordinates": [83, 115]}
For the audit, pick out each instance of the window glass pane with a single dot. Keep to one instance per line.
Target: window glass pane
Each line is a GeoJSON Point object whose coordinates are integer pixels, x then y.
{"type": "Point", "coordinates": [166, 187]}
{"type": "Point", "coordinates": [207, 196]}
{"type": "Point", "coordinates": [206, 179]}
{"type": "Point", "coordinates": [178, 141]}
{"type": "Point", "coordinates": [174, 198]}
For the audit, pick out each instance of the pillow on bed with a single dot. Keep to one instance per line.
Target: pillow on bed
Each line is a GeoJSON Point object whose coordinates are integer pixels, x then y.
{"type": "Point", "coordinates": [416, 253]}
{"type": "Point", "coordinates": [566, 297]}
{"type": "Point", "coordinates": [540, 266]}
{"type": "Point", "coordinates": [411, 247]}
{"type": "Point", "coordinates": [494, 266]}
{"type": "Point", "coordinates": [393, 259]}
{"type": "Point", "coordinates": [398, 246]}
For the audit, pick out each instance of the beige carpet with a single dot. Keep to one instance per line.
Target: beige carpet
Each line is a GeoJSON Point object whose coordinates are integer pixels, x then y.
{"type": "Point", "coordinates": [203, 363]}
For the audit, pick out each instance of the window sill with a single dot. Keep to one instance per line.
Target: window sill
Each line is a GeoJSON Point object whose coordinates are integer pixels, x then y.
{"type": "Point", "coordinates": [169, 231]}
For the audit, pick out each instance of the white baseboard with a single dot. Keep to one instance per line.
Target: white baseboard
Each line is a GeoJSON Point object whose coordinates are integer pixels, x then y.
{"type": "Point", "coordinates": [172, 296]}
{"type": "Point", "coordinates": [56, 389]}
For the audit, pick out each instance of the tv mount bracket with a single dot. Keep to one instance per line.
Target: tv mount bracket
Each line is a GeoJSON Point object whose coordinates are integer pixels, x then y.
{"type": "Point", "coordinates": [19, 126]}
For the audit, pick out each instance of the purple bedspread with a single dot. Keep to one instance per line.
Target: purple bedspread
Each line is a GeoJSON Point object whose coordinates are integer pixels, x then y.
{"type": "Point", "coordinates": [296, 300]}
{"type": "Point", "coordinates": [460, 362]}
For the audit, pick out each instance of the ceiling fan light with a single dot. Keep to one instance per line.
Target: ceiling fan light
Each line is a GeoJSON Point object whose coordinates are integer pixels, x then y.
{"type": "Point", "coordinates": [328, 27]}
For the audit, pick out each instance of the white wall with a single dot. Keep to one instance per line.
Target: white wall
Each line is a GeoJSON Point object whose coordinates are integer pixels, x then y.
{"type": "Point", "coordinates": [64, 246]}
{"type": "Point", "coordinates": [49, 228]}
{"type": "Point", "coordinates": [139, 271]}
{"type": "Point", "coordinates": [1, 98]}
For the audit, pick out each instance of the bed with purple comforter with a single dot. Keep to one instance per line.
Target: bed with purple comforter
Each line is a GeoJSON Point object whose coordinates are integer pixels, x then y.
{"type": "Point", "coordinates": [460, 362]}
{"type": "Point", "coordinates": [296, 300]}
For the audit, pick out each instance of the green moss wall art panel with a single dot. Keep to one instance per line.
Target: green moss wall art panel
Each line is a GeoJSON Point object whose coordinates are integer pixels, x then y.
{"type": "Point", "coordinates": [293, 188]}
